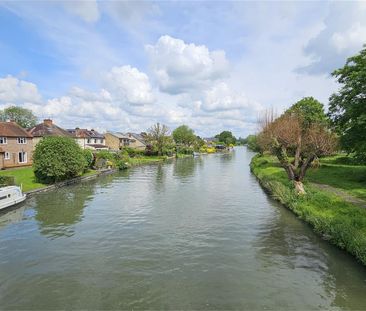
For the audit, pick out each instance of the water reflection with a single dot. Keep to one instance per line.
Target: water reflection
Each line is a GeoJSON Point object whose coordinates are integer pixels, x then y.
{"type": "Point", "coordinates": [283, 242]}
{"type": "Point", "coordinates": [185, 167]}
{"type": "Point", "coordinates": [11, 215]}
{"type": "Point", "coordinates": [57, 213]}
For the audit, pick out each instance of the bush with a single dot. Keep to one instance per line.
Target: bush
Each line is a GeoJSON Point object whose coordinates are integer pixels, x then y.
{"type": "Point", "coordinates": [132, 152]}
{"type": "Point", "coordinates": [7, 181]}
{"type": "Point", "coordinates": [89, 158]}
{"type": "Point", "coordinates": [184, 150]}
{"type": "Point", "coordinates": [58, 158]}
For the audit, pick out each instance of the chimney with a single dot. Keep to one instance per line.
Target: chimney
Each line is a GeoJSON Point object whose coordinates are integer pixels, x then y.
{"type": "Point", "coordinates": [47, 122]}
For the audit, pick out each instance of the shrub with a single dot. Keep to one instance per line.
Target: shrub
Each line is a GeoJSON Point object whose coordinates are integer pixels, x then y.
{"type": "Point", "coordinates": [132, 152]}
{"type": "Point", "coordinates": [7, 181]}
{"type": "Point", "coordinates": [58, 158]}
{"type": "Point", "coordinates": [89, 158]}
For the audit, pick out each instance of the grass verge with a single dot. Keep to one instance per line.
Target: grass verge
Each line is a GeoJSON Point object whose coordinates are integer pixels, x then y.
{"type": "Point", "coordinates": [342, 223]}
{"type": "Point", "coordinates": [25, 176]}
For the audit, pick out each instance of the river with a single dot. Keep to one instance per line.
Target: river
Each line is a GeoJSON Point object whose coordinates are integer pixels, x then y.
{"type": "Point", "coordinates": [195, 233]}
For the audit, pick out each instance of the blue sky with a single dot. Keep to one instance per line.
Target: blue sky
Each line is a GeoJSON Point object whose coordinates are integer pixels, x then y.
{"type": "Point", "coordinates": [212, 65]}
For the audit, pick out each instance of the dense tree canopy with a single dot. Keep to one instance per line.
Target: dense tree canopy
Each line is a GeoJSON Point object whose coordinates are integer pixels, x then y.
{"type": "Point", "coordinates": [24, 117]}
{"type": "Point", "coordinates": [184, 135]}
{"type": "Point", "coordinates": [347, 107]}
{"type": "Point", "coordinates": [226, 137]}
{"type": "Point", "coordinates": [58, 158]}
{"type": "Point", "coordinates": [309, 110]}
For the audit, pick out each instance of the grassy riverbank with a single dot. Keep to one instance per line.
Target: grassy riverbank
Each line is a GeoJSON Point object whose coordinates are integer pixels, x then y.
{"type": "Point", "coordinates": [340, 222]}
{"type": "Point", "coordinates": [25, 177]}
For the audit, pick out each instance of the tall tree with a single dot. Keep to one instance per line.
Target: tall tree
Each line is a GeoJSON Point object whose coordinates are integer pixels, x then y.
{"type": "Point", "coordinates": [309, 110]}
{"type": "Point", "coordinates": [295, 143]}
{"type": "Point", "coordinates": [347, 107]}
{"type": "Point", "coordinates": [184, 135]}
{"type": "Point", "coordinates": [226, 137]}
{"type": "Point", "coordinates": [158, 136]}
{"type": "Point", "coordinates": [24, 117]}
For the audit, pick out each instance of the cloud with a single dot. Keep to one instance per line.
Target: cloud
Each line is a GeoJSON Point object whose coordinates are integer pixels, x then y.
{"type": "Point", "coordinates": [129, 85]}
{"type": "Point", "coordinates": [221, 97]}
{"type": "Point", "coordinates": [86, 9]}
{"type": "Point", "coordinates": [343, 35]}
{"type": "Point", "coordinates": [15, 91]}
{"type": "Point", "coordinates": [180, 67]}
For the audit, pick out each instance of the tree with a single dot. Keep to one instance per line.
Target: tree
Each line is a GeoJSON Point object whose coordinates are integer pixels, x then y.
{"type": "Point", "coordinates": [296, 144]}
{"type": "Point", "coordinates": [184, 135]}
{"type": "Point", "coordinates": [22, 116]}
{"type": "Point", "coordinates": [226, 137]}
{"type": "Point", "coordinates": [58, 158]}
{"type": "Point", "coordinates": [310, 110]}
{"type": "Point", "coordinates": [347, 107]}
{"type": "Point", "coordinates": [158, 137]}
{"type": "Point", "coordinates": [252, 143]}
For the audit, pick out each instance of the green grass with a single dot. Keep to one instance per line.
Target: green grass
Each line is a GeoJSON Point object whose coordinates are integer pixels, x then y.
{"type": "Point", "coordinates": [146, 160]}
{"type": "Point", "coordinates": [350, 178]}
{"type": "Point", "coordinates": [25, 176]}
{"type": "Point", "coordinates": [340, 222]}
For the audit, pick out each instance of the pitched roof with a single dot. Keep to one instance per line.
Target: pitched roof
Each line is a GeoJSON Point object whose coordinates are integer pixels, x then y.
{"type": "Point", "coordinates": [85, 133]}
{"type": "Point", "coordinates": [138, 137]}
{"type": "Point", "coordinates": [47, 128]}
{"type": "Point", "coordinates": [11, 129]}
{"type": "Point", "coordinates": [119, 135]}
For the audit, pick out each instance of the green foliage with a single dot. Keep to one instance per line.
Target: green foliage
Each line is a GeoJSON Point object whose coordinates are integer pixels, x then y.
{"type": "Point", "coordinates": [310, 110]}
{"type": "Point", "coordinates": [184, 150]}
{"type": "Point", "coordinates": [7, 181]}
{"type": "Point", "coordinates": [89, 158]}
{"type": "Point", "coordinates": [132, 152]}
{"type": "Point", "coordinates": [342, 223]}
{"type": "Point", "coordinates": [226, 138]}
{"type": "Point", "coordinates": [347, 107]}
{"type": "Point", "coordinates": [23, 117]}
{"type": "Point", "coordinates": [58, 158]}
{"type": "Point", "coordinates": [252, 143]}
{"type": "Point", "coordinates": [159, 139]}
{"type": "Point", "coordinates": [183, 135]}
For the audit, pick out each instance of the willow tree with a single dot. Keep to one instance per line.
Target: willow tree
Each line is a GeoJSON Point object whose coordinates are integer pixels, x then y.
{"type": "Point", "coordinates": [297, 141]}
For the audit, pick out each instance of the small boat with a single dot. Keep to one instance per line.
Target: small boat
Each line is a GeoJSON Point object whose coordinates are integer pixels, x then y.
{"type": "Point", "coordinates": [196, 154]}
{"type": "Point", "coordinates": [10, 196]}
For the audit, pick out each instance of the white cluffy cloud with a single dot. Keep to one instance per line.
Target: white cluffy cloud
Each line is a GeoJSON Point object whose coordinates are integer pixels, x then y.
{"type": "Point", "coordinates": [129, 85]}
{"type": "Point", "coordinates": [15, 91]}
{"type": "Point", "coordinates": [180, 67]}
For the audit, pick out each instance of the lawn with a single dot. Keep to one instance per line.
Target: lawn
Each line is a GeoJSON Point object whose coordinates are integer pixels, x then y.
{"type": "Point", "coordinates": [146, 160]}
{"type": "Point", "coordinates": [350, 178]}
{"type": "Point", "coordinates": [340, 222]}
{"type": "Point", "coordinates": [25, 177]}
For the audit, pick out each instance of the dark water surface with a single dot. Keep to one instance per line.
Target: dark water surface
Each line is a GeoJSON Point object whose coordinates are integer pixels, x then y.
{"type": "Point", "coordinates": [191, 234]}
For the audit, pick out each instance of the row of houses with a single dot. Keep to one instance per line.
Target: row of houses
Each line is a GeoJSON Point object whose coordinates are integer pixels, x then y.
{"type": "Point", "coordinates": [17, 144]}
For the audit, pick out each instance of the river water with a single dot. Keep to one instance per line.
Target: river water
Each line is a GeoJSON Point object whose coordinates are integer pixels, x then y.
{"type": "Point", "coordinates": [195, 233]}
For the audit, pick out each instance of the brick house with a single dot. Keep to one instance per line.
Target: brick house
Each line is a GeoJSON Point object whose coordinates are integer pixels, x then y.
{"type": "Point", "coordinates": [16, 146]}
{"type": "Point", "coordinates": [116, 140]}
{"type": "Point", "coordinates": [88, 139]}
{"type": "Point", "coordinates": [47, 128]}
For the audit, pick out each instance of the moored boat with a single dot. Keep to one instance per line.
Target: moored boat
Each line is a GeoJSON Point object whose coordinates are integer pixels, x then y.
{"type": "Point", "coordinates": [10, 196]}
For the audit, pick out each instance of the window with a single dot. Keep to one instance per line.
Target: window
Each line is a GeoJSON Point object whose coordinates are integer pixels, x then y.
{"type": "Point", "coordinates": [88, 141]}
{"type": "Point", "coordinates": [22, 157]}
{"type": "Point", "coordinates": [7, 155]}
{"type": "Point", "coordinates": [95, 141]}
{"type": "Point", "coordinates": [101, 141]}
{"type": "Point", "coordinates": [3, 140]}
{"type": "Point", "coordinates": [22, 140]}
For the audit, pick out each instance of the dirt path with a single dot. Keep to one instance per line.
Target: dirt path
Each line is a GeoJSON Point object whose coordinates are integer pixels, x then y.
{"type": "Point", "coordinates": [342, 194]}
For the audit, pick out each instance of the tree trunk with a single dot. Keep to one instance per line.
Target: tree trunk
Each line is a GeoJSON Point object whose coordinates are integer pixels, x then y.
{"type": "Point", "coordinates": [299, 187]}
